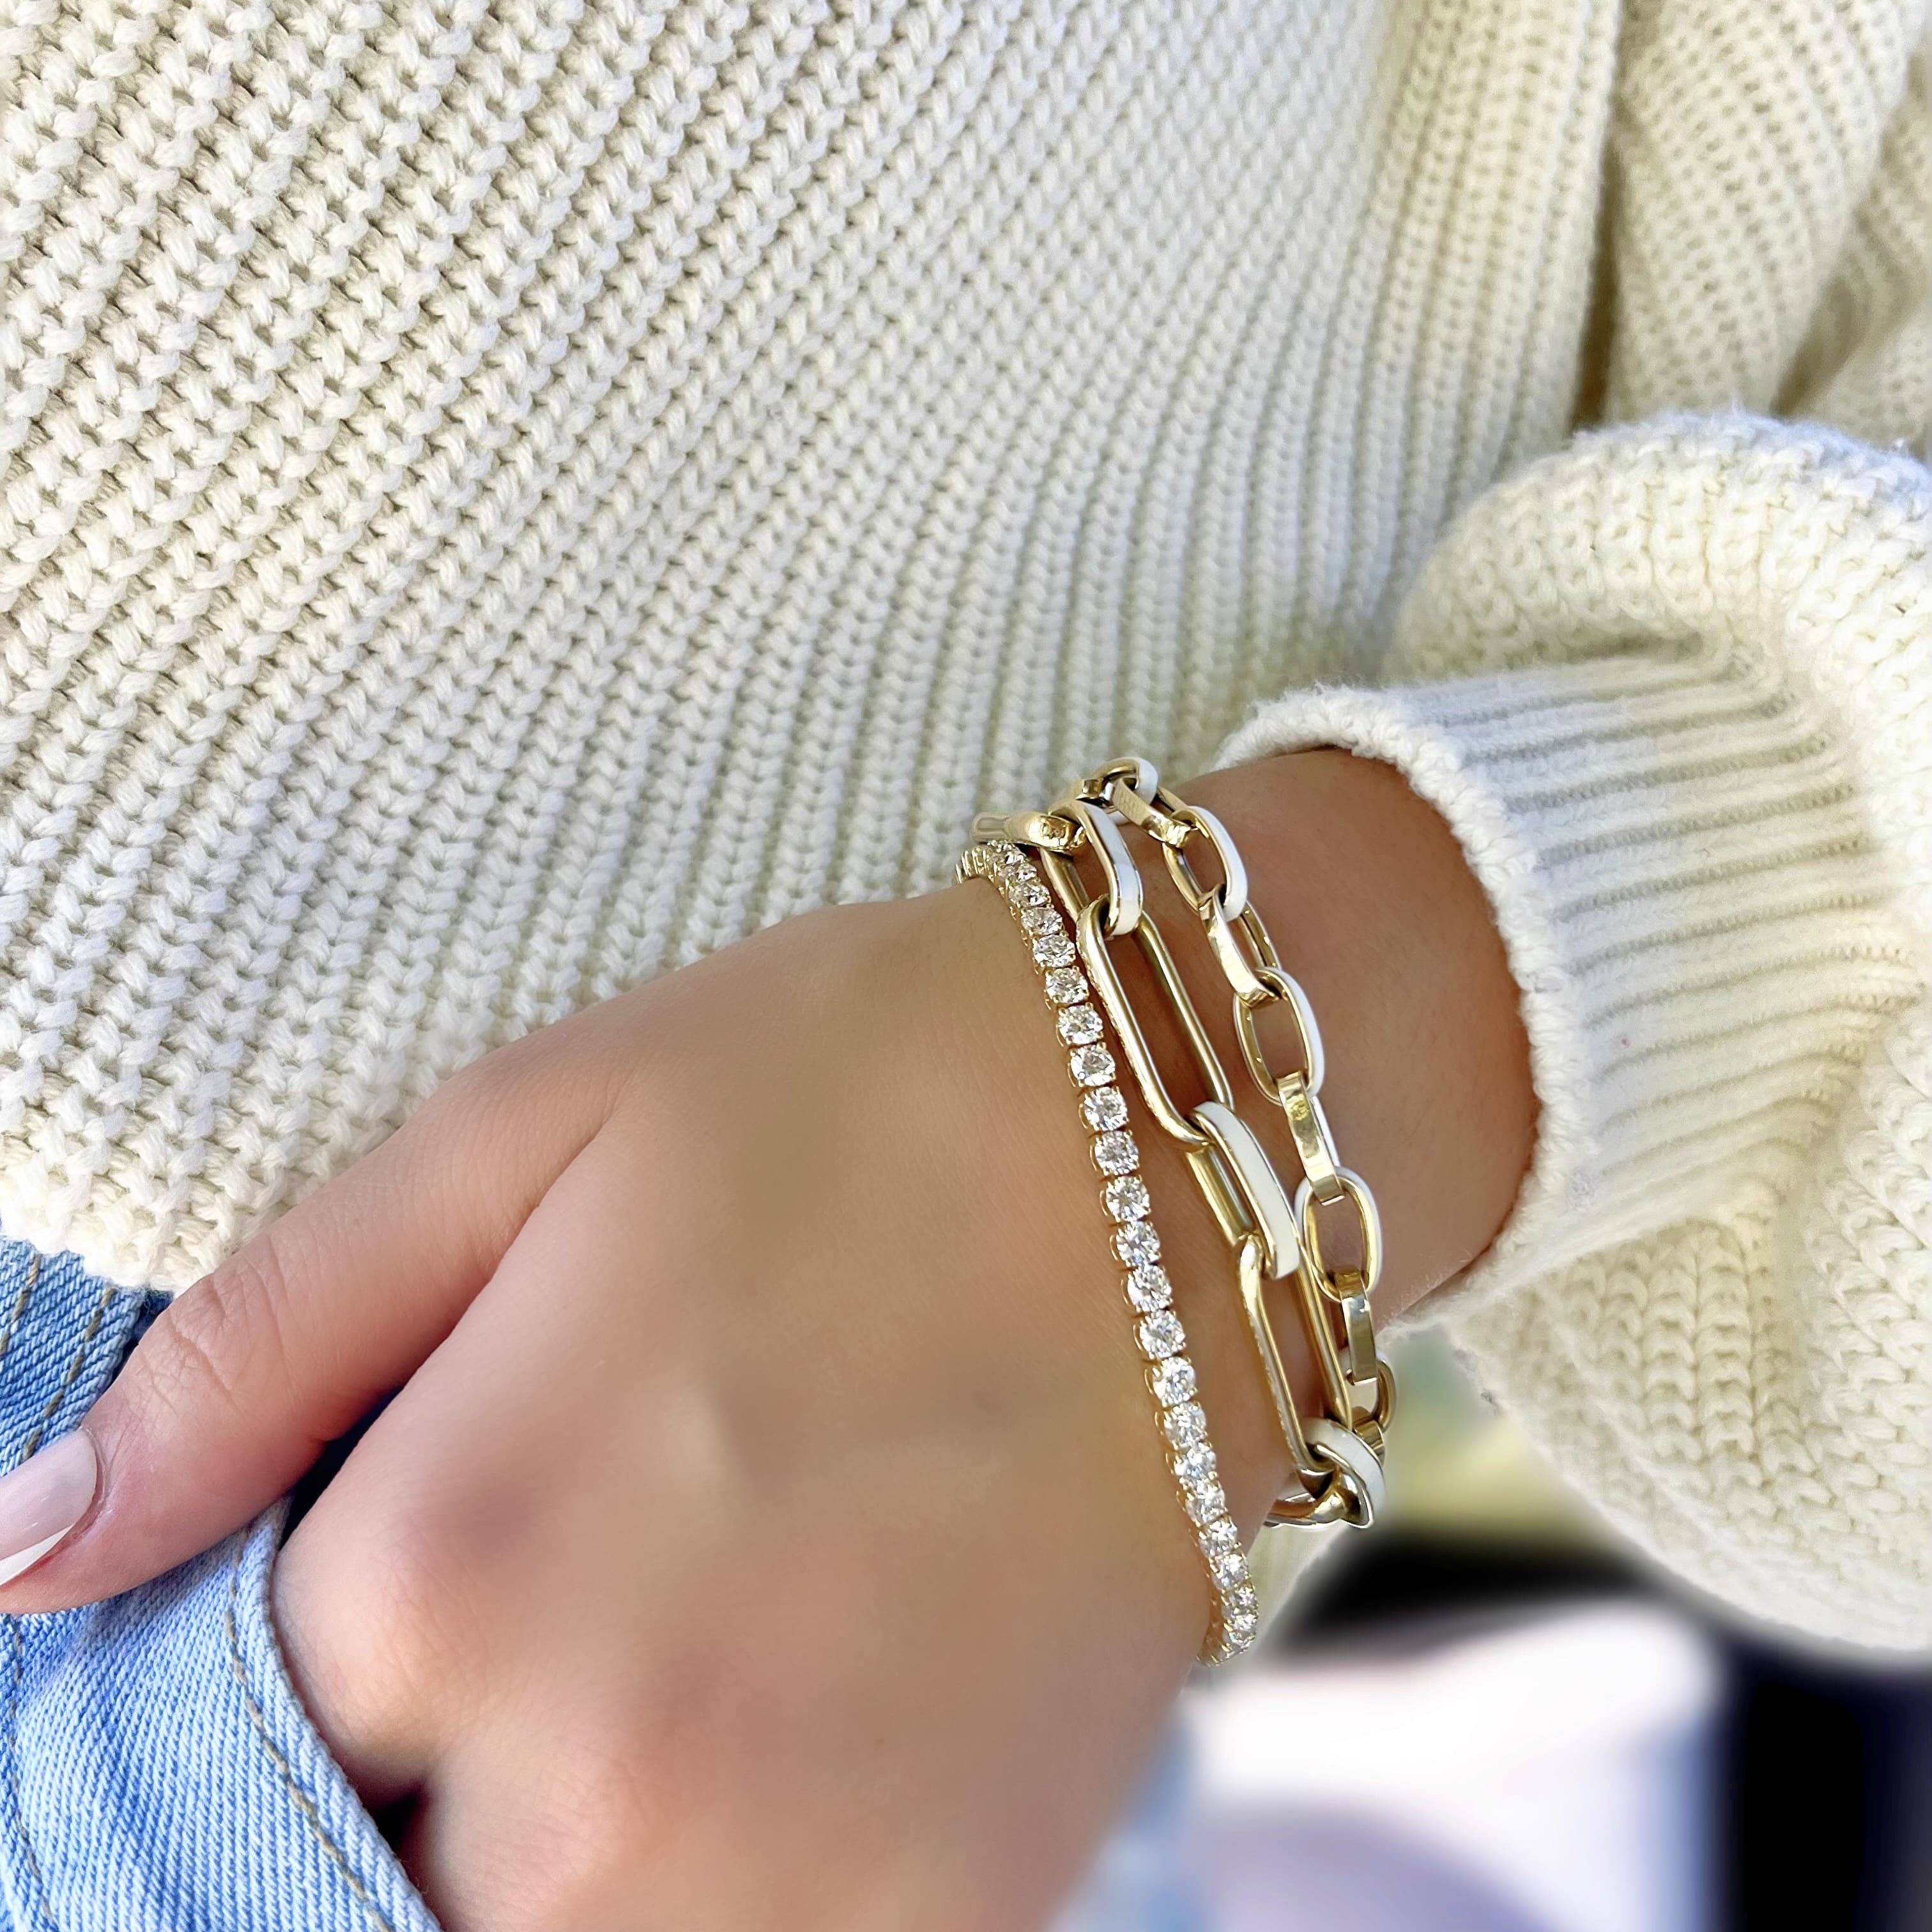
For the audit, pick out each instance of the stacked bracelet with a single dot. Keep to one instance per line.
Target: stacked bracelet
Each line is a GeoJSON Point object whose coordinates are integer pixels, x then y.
{"type": "Point", "coordinates": [1337, 1456]}
{"type": "Point", "coordinates": [1136, 1245]}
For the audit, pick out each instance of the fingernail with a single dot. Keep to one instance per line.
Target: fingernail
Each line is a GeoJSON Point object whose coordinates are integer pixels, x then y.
{"type": "Point", "coordinates": [42, 1499]}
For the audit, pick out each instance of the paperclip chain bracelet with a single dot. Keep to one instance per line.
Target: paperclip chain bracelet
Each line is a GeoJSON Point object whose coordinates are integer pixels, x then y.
{"type": "Point", "coordinates": [1234, 1620]}
{"type": "Point", "coordinates": [1337, 1457]}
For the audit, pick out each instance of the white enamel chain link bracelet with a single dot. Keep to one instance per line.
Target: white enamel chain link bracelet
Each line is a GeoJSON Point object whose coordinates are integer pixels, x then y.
{"type": "Point", "coordinates": [1337, 1456]}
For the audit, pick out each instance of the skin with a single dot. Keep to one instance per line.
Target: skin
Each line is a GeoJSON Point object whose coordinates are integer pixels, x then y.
{"type": "Point", "coordinates": [771, 1530]}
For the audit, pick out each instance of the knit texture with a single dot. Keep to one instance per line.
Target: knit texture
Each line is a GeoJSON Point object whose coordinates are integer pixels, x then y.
{"type": "Point", "coordinates": [500, 499]}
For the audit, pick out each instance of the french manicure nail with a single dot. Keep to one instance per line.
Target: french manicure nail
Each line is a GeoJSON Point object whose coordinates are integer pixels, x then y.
{"type": "Point", "coordinates": [42, 1499]}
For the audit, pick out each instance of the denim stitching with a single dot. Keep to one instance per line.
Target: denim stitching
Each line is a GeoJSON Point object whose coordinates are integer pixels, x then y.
{"type": "Point", "coordinates": [311, 1816]}
{"type": "Point", "coordinates": [18, 1311]}
{"type": "Point", "coordinates": [16, 1644]}
{"type": "Point", "coordinates": [18, 1665]}
{"type": "Point", "coordinates": [72, 1375]}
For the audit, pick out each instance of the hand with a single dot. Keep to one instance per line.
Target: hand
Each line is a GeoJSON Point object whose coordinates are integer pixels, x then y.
{"type": "Point", "coordinates": [774, 1532]}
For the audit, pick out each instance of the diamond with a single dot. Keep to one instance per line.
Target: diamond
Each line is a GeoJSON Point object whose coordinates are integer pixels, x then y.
{"type": "Point", "coordinates": [1241, 1600]}
{"type": "Point", "coordinates": [1148, 1289]}
{"type": "Point", "coordinates": [1041, 919]}
{"type": "Point", "coordinates": [1008, 853]}
{"type": "Point", "coordinates": [1229, 1569]}
{"type": "Point", "coordinates": [1160, 1335]}
{"type": "Point", "coordinates": [1172, 1381]}
{"type": "Point", "coordinates": [1136, 1243]}
{"type": "Point", "coordinates": [1126, 1197]}
{"type": "Point", "coordinates": [1185, 1425]}
{"type": "Point", "coordinates": [1116, 1153]}
{"type": "Point", "coordinates": [1104, 1108]}
{"type": "Point", "coordinates": [1031, 892]}
{"type": "Point", "coordinates": [1091, 1066]}
{"type": "Point", "coordinates": [1220, 1536]}
{"type": "Point", "coordinates": [1203, 1505]}
{"type": "Point", "coordinates": [1066, 984]}
{"type": "Point", "coordinates": [1196, 1466]}
{"type": "Point", "coordinates": [1053, 949]}
{"type": "Point", "coordinates": [1079, 1025]}
{"type": "Point", "coordinates": [1241, 1631]}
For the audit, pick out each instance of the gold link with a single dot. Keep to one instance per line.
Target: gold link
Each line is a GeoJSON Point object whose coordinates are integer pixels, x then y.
{"type": "Point", "coordinates": [1357, 1191]}
{"type": "Point", "coordinates": [1141, 774]}
{"type": "Point", "coordinates": [1210, 1177]}
{"type": "Point", "coordinates": [1232, 895]}
{"type": "Point", "coordinates": [1337, 1395]}
{"type": "Point", "coordinates": [1091, 941]}
{"type": "Point", "coordinates": [1358, 1341]}
{"type": "Point", "coordinates": [1039, 828]}
{"type": "Point", "coordinates": [1313, 1143]}
{"type": "Point", "coordinates": [1250, 1272]}
{"type": "Point", "coordinates": [1280, 989]}
{"type": "Point", "coordinates": [1157, 816]}
{"type": "Point", "coordinates": [1242, 973]}
{"type": "Point", "coordinates": [1268, 1211]}
{"type": "Point", "coordinates": [1305, 1512]}
{"type": "Point", "coordinates": [1125, 901]}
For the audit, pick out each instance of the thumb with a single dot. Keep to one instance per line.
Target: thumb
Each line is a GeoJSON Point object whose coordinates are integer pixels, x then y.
{"type": "Point", "coordinates": [231, 1394]}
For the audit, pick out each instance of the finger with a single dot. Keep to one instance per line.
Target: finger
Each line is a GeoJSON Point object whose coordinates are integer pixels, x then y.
{"type": "Point", "coordinates": [232, 1392]}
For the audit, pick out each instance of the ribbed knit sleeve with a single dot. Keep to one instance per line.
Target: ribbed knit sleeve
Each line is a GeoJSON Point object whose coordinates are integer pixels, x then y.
{"type": "Point", "coordinates": [1673, 689]}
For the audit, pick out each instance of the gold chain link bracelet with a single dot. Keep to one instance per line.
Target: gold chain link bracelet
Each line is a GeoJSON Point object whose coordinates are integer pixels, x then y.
{"type": "Point", "coordinates": [1338, 1456]}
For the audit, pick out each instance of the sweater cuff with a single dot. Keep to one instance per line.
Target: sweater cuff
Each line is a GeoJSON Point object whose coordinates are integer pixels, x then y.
{"type": "Point", "coordinates": [1678, 867]}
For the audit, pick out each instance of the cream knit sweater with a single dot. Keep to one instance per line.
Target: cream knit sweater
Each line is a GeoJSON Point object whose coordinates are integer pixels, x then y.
{"type": "Point", "coordinates": [501, 497]}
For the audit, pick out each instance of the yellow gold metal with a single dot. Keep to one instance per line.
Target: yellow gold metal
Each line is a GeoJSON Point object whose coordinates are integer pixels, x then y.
{"type": "Point", "coordinates": [1357, 1189]}
{"type": "Point", "coordinates": [1243, 972]}
{"type": "Point", "coordinates": [1124, 903]}
{"type": "Point", "coordinates": [1313, 1142]}
{"type": "Point", "coordinates": [1336, 1458]}
{"type": "Point", "coordinates": [1233, 1620]}
{"type": "Point", "coordinates": [1283, 988]}
{"type": "Point", "coordinates": [1268, 1212]}
{"type": "Point", "coordinates": [1232, 895]}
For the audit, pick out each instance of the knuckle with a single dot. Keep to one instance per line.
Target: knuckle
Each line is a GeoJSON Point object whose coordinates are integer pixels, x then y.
{"type": "Point", "coordinates": [224, 1341]}
{"type": "Point", "coordinates": [389, 1626]}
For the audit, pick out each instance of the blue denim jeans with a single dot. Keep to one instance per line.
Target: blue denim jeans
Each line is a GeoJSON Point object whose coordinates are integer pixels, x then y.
{"type": "Point", "coordinates": [157, 1772]}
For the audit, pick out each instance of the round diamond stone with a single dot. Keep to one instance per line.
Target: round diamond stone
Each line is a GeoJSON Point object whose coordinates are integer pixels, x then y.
{"type": "Point", "coordinates": [1148, 1289]}
{"type": "Point", "coordinates": [1092, 1066]}
{"type": "Point", "coordinates": [1196, 1466]}
{"type": "Point", "coordinates": [1220, 1536]}
{"type": "Point", "coordinates": [1116, 1153]}
{"type": "Point", "coordinates": [1079, 1025]}
{"type": "Point", "coordinates": [1032, 892]}
{"type": "Point", "coordinates": [1105, 1108]}
{"type": "Point", "coordinates": [1041, 919]}
{"type": "Point", "coordinates": [1203, 1505]}
{"type": "Point", "coordinates": [1172, 1381]}
{"type": "Point", "coordinates": [1053, 949]}
{"type": "Point", "coordinates": [1136, 1243]}
{"type": "Point", "coordinates": [1241, 1630]}
{"type": "Point", "coordinates": [1066, 984]}
{"type": "Point", "coordinates": [1160, 1335]}
{"type": "Point", "coordinates": [1228, 1570]}
{"type": "Point", "coordinates": [1241, 1601]}
{"type": "Point", "coordinates": [1126, 1197]}
{"type": "Point", "coordinates": [1186, 1425]}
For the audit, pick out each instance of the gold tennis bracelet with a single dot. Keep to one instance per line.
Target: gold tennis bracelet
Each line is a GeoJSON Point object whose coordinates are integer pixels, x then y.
{"type": "Point", "coordinates": [1235, 1618]}
{"type": "Point", "coordinates": [1337, 1456]}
